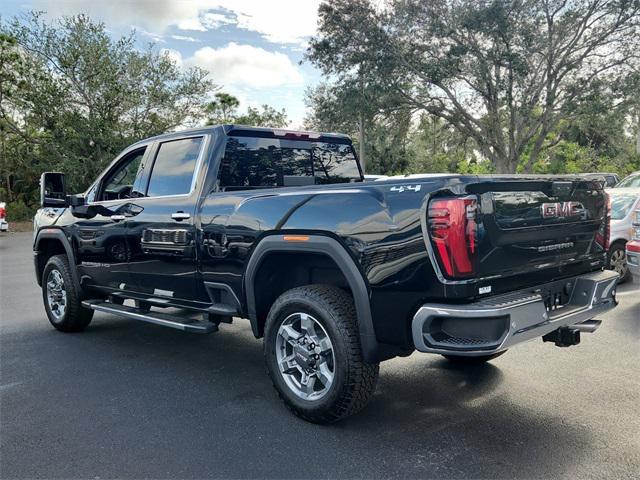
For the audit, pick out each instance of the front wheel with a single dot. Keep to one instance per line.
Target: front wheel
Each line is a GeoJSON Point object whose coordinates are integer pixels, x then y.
{"type": "Point", "coordinates": [477, 360]}
{"type": "Point", "coordinates": [62, 300]}
{"type": "Point", "coordinates": [313, 355]}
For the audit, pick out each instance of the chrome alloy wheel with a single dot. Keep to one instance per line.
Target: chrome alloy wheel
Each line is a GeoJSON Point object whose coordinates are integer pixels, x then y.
{"type": "Point", "coordinates": [56, 294]}
{"type": "Point", "coordinates": [618, 262]}
{"type": "Point", "coordinates": [305, 356]}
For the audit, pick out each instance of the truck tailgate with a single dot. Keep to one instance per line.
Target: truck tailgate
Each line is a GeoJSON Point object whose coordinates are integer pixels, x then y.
{"type": "Point", "coordinates": [529, 225]}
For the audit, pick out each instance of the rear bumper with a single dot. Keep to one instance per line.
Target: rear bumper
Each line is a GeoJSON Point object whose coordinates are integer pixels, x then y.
{"type": "Point", "coordinates": [500, 322]}
{"type": "Point", "coordinates": [4, 226]}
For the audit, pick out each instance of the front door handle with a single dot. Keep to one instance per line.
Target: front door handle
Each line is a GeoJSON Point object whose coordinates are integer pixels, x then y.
{"type": "Point", "coordinates": [117, 218]}
{"type": "Point", "coordinates": [179, 216]}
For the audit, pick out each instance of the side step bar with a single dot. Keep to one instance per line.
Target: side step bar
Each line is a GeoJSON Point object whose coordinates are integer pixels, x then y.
{"type": "Point", "coordinates": [172, 321]}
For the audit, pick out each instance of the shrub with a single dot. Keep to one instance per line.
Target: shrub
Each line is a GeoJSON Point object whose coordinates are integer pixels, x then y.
{"type": "Point", "coordinates": [18, 211]}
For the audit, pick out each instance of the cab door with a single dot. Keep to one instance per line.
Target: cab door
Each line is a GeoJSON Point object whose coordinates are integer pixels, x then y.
{"type": "Point", "coordinates": [100, 235]}
{"type": "Point", "coordinates": [163, 264]}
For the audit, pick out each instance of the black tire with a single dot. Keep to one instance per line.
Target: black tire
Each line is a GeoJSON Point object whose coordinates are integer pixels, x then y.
{"type": "Point", "coordinates": [354, 381]}
{"type": "Point", "coordinates": [615, 253]}
{"type": "Point", "coordinates": [462, 360]}
{"type": "Point", "coordinates": [75, 317]}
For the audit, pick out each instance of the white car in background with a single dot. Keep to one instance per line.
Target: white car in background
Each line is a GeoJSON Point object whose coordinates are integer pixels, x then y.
{"type": "Point", "coordinates": [624, 202]}
{"type": "Point", "coordinates": [632, 180]}
{"type": "Point", "coordinates": [633, 249]}
{"type": "Point", "coordinates": [4, 226]}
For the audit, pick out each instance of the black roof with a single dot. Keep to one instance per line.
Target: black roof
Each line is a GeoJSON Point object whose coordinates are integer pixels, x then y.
{"type": "Point", "coordinates": [248, 131]}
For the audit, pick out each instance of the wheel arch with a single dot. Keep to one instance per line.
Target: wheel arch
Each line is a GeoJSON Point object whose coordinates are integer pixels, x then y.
{"type": "Point", "coordinates": [617, 240]}
{"type": "Point", "coordinates": [49, 242]}
{"type": "Point", "coordinates": [330, 253]}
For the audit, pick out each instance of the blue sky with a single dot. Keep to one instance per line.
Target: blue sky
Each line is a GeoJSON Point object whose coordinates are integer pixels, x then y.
{"type": "Point", "coordinates": [251, 48]}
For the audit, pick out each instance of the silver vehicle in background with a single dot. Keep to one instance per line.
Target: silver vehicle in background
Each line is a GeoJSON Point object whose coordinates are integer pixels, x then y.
{"type": "Point", "coordinates": [633, 249]}
{"type": "Point", "coordinates": [630, 181]}
{"type": "Point", "coordinates": [624, 202]}
{"type": "Point", "coordinates": [607, 179]}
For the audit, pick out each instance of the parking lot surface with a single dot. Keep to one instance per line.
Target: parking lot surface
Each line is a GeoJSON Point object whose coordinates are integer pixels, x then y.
{"type": "Point", "coordinates": [129, 400]}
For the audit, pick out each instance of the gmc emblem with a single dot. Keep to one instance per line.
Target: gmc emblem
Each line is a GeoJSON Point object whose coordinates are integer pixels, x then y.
{"type": "Point", "coordinates": [561, 209]}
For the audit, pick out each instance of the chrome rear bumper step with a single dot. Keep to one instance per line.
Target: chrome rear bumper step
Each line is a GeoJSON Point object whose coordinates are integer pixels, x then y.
{"type": "Point", "coordinates": [495, 324]}
{"type": "Point", "coordinates": [185, 324]}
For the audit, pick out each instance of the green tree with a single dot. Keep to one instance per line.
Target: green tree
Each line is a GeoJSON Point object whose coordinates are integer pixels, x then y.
{"type": "Point", "coordinates": [222, 109]}
{"type": "Point", "coordinates": [265, 116]}
{"type": "Point", "coordinates": [506, 74]}
{"type": "Point", "coordinates": [71, 98]}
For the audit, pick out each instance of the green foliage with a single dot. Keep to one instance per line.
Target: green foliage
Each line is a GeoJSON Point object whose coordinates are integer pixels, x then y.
{"type": "Point", "coordinates": [72, 98]}
{"type": "Point", "coordinates": [265, 116]}
{"type": "Point", "coordinates": [224, 109]}
{"type": "Point", "coordinates": [512, 78]}
{"type": "Point", "coordinates": [17, 211]}
{"type": "Point", "coordinates": [571, 157]}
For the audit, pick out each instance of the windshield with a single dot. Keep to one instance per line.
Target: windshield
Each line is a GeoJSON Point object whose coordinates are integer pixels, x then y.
{"type": "Point", "coordinates": [621, 205]}
{"type": "Point", "coordinates": [631, 181]}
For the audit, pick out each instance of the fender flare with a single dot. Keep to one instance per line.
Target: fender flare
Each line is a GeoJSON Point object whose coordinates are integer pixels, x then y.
{"type": "Point", "coordinates": [58, 234]}
{"type": "Point", "coordinates": [333, 249]}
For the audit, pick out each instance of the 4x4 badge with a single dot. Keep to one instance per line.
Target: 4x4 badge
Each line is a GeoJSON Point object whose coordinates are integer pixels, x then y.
{"type": "Point", "coordinates": [402, 188]}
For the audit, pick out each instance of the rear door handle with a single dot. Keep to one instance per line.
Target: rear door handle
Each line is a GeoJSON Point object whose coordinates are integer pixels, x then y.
{"type": "Point", "coordinates": [117, 218]}
{"type": "Point", "coordinates": [179, 216]}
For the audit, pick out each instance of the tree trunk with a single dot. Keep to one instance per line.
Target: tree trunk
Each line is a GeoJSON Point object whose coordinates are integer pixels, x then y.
{"type": "Point", "coordinates": [638, 133]}
{"type": "Point", "coordinates": [502, 165]}
{"type": "Point", "coordinates": [6, 169]}
{"type": "Point", "coordinates": [361, 141]}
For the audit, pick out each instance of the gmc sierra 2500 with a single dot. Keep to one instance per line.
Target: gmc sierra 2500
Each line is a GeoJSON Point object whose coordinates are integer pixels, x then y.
{"type": "Point", "coordinates": [335, 274]}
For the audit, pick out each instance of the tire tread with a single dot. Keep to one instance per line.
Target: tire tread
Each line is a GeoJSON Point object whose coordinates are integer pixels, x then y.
{"type": "Point", "coordinates": [76, 317]}
{"type": "Point", "coordinates": [361, 376]}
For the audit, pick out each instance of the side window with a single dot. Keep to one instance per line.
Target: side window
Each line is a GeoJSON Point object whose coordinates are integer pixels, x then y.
{"type": "Point", "coordinates": [633, 181]}
{"type": "Point", "coordinates": [119, 182]}
{"type": "Point", "coordinates": [262, 162]}
{"type": "Point", "coordinates": [174, 166]}
{"type": "Point", "coordinates": [335, 163]}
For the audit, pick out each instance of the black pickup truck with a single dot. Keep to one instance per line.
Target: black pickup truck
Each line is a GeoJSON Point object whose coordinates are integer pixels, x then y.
{"type": "Point", "coordinates": [336, 274]}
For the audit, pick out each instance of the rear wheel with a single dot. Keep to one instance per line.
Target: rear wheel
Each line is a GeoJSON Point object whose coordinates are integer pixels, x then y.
{"type": "Point", "coordinates": [313, 355]}
{"type": "Point", "coordinates": [477, 360]}
{"type": "Point", "coordinates": [61, 297]}
{"type": "Point", "coordinates": [617, 260]}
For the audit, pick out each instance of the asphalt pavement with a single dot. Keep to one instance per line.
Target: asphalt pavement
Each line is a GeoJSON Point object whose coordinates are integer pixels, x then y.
{"type": "Point", "coordinates": [126, 399]}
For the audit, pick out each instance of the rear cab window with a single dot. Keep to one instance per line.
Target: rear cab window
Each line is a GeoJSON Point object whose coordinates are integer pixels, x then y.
{"type": "Point", "coordinates": [174, 167]}
{"type": "Point", "coordinates": [255, 162]}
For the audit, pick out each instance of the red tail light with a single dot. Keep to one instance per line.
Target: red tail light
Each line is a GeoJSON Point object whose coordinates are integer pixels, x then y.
{"type": "Point", "coordinates": [453, 229]}
{"type": "Point", "coordinates": [633, 246]}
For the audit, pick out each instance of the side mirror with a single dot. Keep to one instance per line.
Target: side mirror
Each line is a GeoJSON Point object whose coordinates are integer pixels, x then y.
{"type": "Point", "coordinates": [52, 190]}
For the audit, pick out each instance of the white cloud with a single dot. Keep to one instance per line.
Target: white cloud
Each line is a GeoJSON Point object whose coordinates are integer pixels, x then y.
{"type": "Point", "coordinates": [191, 24]}
{"type": "Point", "coordinates": [245, 65]}
{"type": "Point", "coordinates": [155, 37]}
{"type": "Point", "coordinates": [185, 38]}
{"type": "Point", "coordinates": [213, 20]}
{"type": "Point", "coordinates": [279, 21]}
{"type": "Point", "coordinates": [154, 15]}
